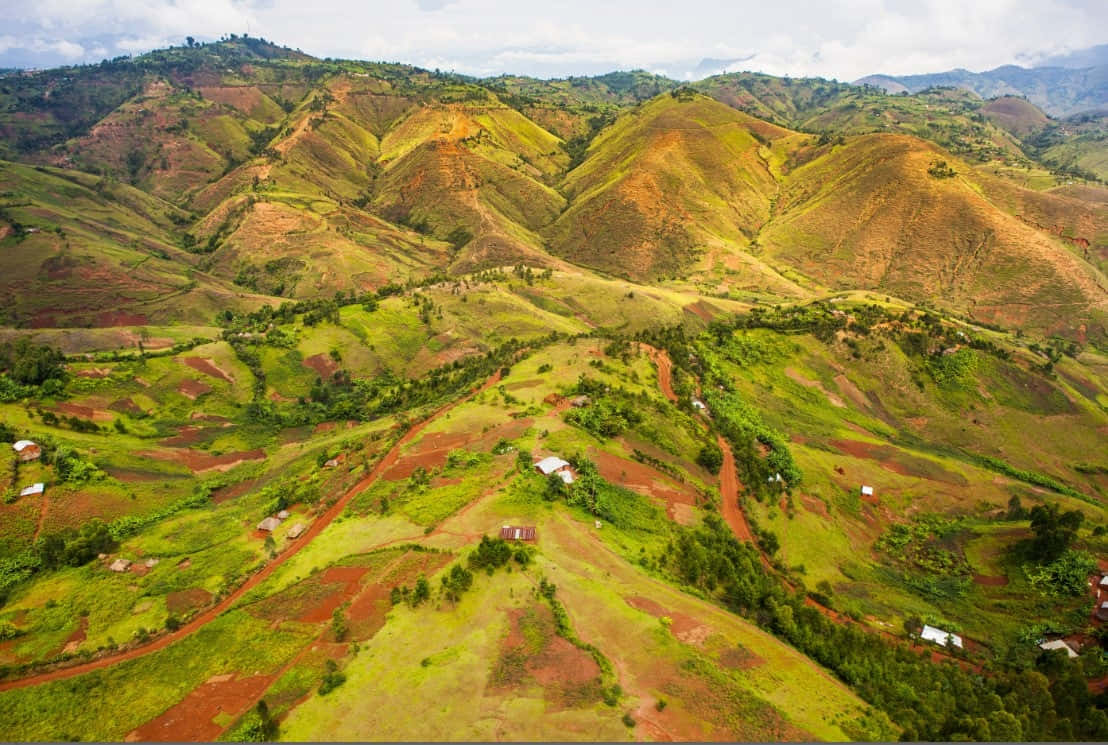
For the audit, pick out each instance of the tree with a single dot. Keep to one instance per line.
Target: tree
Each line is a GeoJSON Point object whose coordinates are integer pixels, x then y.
{"type": "Point", "coordinates": [338, 625]}
{"type": "Point", "coordinates": [456, 582]}
{"type": "Point", "coordinates": [421, 592]}
{"type": "Point", "coordinates": [190, 41]}
{"type": "Point", "coordinates": [1054, 531]}
{"type": "Point", "coordinates": [710, 457]}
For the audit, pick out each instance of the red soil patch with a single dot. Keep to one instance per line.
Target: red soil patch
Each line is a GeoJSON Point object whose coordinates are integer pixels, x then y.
{"type": "Point", "coordinates": [83, 412]}
{"type": "Point", "coordinates": [227, 493]}
{"type": "Point", "coordinates": [322, 364]}
{"type": "Point", "coordinates": [431, 451]}
{"type": "Point", "coordinates": [128, 476]}
{"type": "Point", "coordinates": [814, 506]}
{"type": "Point", "coordinates": [645, 480]}
{"type": "Point", "coordinates": [206, 366]}
{"type": "Point", "coordinates": [740, 658]}
{"type": "Point", "coordinates": [199, 416]}
{"type": "Point", "coordinates": [990, 581]}
{"type": "Point", "coordinates": [324, 427]}
{"type": "Point", "coordinates": [96, 372]}
{"type": "Point", "coordinates": [347, 580]}
{"type": "Point", "coordinates": [73, 641]}
{"type": "Point", "coordinates": [686, 628]}
{"type": "Point", "coordinates": [185, 436]}
{"type": "Point", "coordinates": [200, 461]}
{"type": "Point", "coordinates": [192, 719]}
{"type": "Point", "coordinates": [700, 310]}
{"type": "Point", "coordinates": [126, 406]}
{"type": "Point", "coordinates": [183, 601]}
{"type": "Point", "coordinates": [193, 388]}
{"type": "Point", "coordinates": [121, 318]}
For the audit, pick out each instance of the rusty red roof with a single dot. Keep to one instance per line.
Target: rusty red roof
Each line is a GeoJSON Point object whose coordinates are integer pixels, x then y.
{"type": "Point", "coordinates": [518, 533]}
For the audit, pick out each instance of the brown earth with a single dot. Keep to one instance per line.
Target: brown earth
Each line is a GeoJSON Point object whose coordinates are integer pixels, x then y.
{"type": "Point", "coordinates": [206, 366]}
{"type": "Point", "coordinates": [990, 581]}
{"type": "Point", "coordinates": [200, 461]}
{"type": "Point", "coordinates": [643, 479]}
{"type": "Point", "coordinates": [431, 451]}
{"type": "Point", "coordinates": [83, 412]}
{"type": "Point", "coordinates": [182, 601]}
{"type": "Point", "coordinates": [193, 388]}
{"type": "Point", "coordinates": [322, 364]}
{"type": "Point", "coordinates": [192, 719]}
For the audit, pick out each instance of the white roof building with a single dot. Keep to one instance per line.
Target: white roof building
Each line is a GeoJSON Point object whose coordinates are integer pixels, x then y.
{"type": "Point", "coordinates": [698, 404]}
{"type": "Point", "coordinates": [33, 489]}
{"type": "Point", "coordinates": [566, 476]}
{"type": "Point", "coordinates": [551, 464]}
{"type": "Point", "coordinates": [295, 531]}
{"type": "Point", "coordinates": [867, 491]}
{"type": "Point", "coordinates": [1059, 644]}
{"type": "Point", "coordinates": [120, 565]}
{"type": "Point", "coordinates": [940, 637]}
{"type": "Point", "coordinates": [21, 445]}
{"type": "Point", "coordinates": [283, 515]}
{"type": "Point", "coordinates": [1104, 581]}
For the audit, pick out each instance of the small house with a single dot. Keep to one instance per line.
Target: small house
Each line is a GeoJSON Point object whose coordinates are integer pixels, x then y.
{"type": "Point", "coordinates": [295, 531]}
{"type": "Point", "coordinates": [151, 563]}
{"type": "Point", "coordinates": [1104, 581]}
{"type": "Point", "coordinates": [120, 565]}
{"type": "Point", "coordinates": [698, 404]}
{"type": "Point", "coordinates": [867, 491]}
{"type": "Point", "coordinates": [579, 402]}
{"type": "Point", "coordinates": [27, 450]}
{"type": "Point", "coordinates": [333, 463]}
{"type": "Point", "coordinates": [940, 637]}
{"type": "Point", "coordinates": [551, 464]}
{"type": "Point", "coordinates": [269, 524]}
{"type": "Point", "coordinates": [32, 489]}
{"type": "Point", "coordinates": [513, 533]}
{"type": "Point", "coordinates": [1102, 611]}
{"type": "Point", "coordinates": [566, 475]}
{"type": "Point", "coordinates": [283, 515]}
{"type": "Point", "coordinates": [1058, 644]}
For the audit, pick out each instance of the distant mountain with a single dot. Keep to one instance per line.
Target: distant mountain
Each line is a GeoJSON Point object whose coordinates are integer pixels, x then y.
{"type": "Point", "coordinates": [1079, 59]}
{"type": "Point", "coordinates": [1059, 91]}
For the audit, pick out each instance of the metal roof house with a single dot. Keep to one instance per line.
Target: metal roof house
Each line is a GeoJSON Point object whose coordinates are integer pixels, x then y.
{"type": "Point", "coordinates": [32, 489]}
{"type": "Point", "coordinates": [940, 637]}
{"type": "Point", "coordinates": [120, 565]}
{"type": "Point", "coordinates": [867, 491]}
{"type": "Point", "coordinates": [27, 450]}
{"type": "Point", "coordinates": [550, 464]}
{"type": "Point", "coordinates": [1059, 644]}
{"type": "Point", "coordinates": [295, 531]}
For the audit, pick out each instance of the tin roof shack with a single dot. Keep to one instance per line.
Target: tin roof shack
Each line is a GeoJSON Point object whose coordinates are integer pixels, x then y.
{"type": "Point", "coordinates": [269, 524]}
{"type": "Point", "coordinates": [1059, 644]}
{"type": "Point", "coordinates": [551, 464]}
{"type": "Point", "coordinates": [940, 637]}
{"type": "Point", "coordinates": [295, 531]}
{"type": "Point", "coordinates": [522, 533]}
{"type": "Point", "coordinates": [38, 488]}
{"type": "Point", "coordinates": [120, 565]}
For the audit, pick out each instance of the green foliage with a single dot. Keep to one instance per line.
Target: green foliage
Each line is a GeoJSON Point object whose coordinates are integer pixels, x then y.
{"type": "Point", "coordinates": [1054, 531]}
{"type": "Point", "coordinates": [929, 701]}
{"type": "Point", "coordinates": [339, 627]}
{"type": "Point", "coordinates": [604, 417]}
{"type": "Point", "coordinates": [491, 553]}
{"type": "Point", "coordinates": [940, 170]}
{"type": "Point", "coordinates": [332, 678]}
{"type": "Point", "coordinates": [744, 429]}
{"type": "Point", "coordinates": [1066, 576]}
{"type": "Point", "coordinates": [1030, 477]}
{"type": "Point", "coordinates": [456, 582]}
{"type": "Point", "coordinates": [954, 371]}
{"type": "Point", "coordinates": [710, 457]}
{"type": "Point", "coordinates": [27, 363]}
{"type": "Point", "coordinates": [72, 468]}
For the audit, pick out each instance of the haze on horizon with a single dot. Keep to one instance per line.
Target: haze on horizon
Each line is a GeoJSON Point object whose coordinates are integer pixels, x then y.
{"type": "Point", "coordinates": [573, 37]}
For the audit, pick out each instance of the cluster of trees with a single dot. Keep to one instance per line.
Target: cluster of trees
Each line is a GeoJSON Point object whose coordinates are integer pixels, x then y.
{"type": "Point", "coordinates": [1037, 701]}
{"type": "Point", "coordinates": [28, 364]}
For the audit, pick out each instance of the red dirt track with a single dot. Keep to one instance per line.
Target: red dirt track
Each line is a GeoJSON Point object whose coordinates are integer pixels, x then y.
{"type": "Point", "coordinates": [215, 611]}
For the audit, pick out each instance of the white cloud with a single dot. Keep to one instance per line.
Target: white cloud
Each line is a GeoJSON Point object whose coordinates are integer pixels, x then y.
{"type": "Point", "coordinates": [846, 39]}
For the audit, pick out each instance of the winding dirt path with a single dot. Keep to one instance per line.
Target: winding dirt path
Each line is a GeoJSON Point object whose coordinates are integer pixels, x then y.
{"type": "Point", "coordinates": [215, 611]}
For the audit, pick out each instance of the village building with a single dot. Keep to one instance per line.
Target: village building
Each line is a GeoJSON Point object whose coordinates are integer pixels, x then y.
{"type": "Point", "coordinates": [27, 450]}
{"type": "Point", "coordinates": [867, 491]}
{"type": "Point", "coordinates": [32, 489]}
{"type": "Point", "coordinates": [269, 524]}
{"type": "Point", "coordinates": [551, 464]}
{"type": "Point", "coordinates": [1058, 644]}
{"type": "Point", "coordinates": [1102, 611]}
{"type": "Point", "coordinates": [514, 533]}
{"type": "Point", "coordinates": [698, 404]}
{"type": "Point", "coordinates": [120, 565]}
{"type": "Point", "coordinates": [940, 637]}
{"type": "Point", "coordinates": [579, 401]}
{"type": "Point", "coordinates": [283, 515]}
{"type": "Point", "coordinates": [1104, 581]}
{"type": "Point", "coordinates": [295, 531]}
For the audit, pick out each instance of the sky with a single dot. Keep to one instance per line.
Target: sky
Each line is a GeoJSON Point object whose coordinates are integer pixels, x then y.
{"type": "Point", "coordinates": [840, 39]}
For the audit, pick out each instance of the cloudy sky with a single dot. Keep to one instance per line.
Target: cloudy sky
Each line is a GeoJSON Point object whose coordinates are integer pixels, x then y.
{"type": "Point", "coordinates": [843, 39]}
